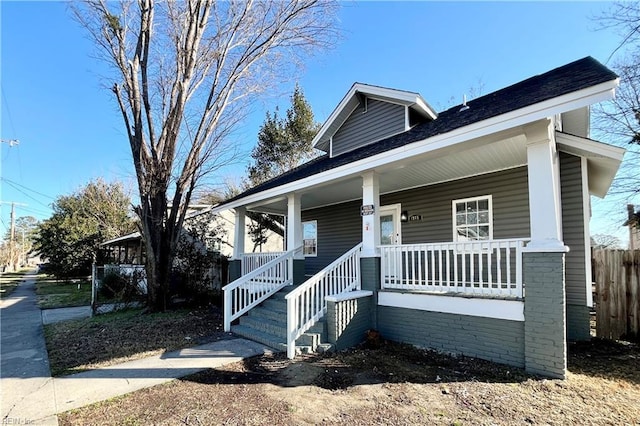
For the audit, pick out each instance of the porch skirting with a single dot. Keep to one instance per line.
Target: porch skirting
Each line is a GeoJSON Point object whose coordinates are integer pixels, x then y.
{"type": "Point", "coordinates": [492, 339]}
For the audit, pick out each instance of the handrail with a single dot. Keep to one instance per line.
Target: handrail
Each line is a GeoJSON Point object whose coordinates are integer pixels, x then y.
{"type": "Point", "coordinates": [306, 304]}
{"type": "Point", "coordinates": [251, 289]}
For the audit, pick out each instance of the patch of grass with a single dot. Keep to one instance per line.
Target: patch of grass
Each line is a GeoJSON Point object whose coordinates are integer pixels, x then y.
{"type": "Point", "coordinates": [9, 281]}
{"type": "Point", "coordinates": [62, 294]}
{"type": "Point", "coordinates": [108, 339]}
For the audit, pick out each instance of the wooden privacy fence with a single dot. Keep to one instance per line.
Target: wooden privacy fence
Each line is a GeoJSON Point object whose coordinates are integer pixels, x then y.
{"type": "Point", "coordinates": [617, 278]}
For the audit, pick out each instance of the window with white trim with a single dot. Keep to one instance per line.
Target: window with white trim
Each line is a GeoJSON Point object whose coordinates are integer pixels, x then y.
{"type": "Point", "coordinates": [310, 238]}
{"type": "Point", "coordinates": [473, 219]}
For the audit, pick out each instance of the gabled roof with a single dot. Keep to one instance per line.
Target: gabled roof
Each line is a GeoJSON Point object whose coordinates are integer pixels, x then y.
{"type": "Point", "coordinates": [574, 77]}
{"type": "Point", "coordinates": [353, 98]}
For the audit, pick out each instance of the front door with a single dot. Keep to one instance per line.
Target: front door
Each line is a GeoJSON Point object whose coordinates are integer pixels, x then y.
{"type": "Point", "coordinates": [390, 235]}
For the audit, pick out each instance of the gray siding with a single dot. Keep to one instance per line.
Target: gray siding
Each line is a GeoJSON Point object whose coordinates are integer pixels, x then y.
{"type": "Point", "coordinates": [339, 226]}
{"type": "Point", "coordinates": [487, 338]}
{"type": "Point", "coordinates": [382, 119]}
{"type": "Point", "coordinates": [339, 229]}
{"type": "Point", "coordinates": [510, 194]}
{"type": "Point", "coordinates": [573, 228]}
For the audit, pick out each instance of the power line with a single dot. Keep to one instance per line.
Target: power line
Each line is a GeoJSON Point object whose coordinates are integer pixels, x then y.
{"type": "Point", "coordinates": [9, 181]}
{"type": "Point", "coordinates": [27, 195]}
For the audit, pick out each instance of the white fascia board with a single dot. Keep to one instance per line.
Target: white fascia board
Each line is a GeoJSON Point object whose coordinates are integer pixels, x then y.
{"type": "Point", "coordinates": [596, 148]}
{"type": "Point", "coordinates": [512, 310]}
{"type": "Point", "coordinates": [549, 108]}
{"type": "Point", "coordinates": [123, 238]}
{"type": "Point", "coordinates": [334, 115]}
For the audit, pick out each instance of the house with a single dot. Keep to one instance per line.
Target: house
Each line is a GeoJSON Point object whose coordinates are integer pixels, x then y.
{"type": "Point", "coordinates": [128, 253]}
{"type": "Point", "coordinates": [633, 223]}
{"type": "Point", "coordinates": [466, 231]}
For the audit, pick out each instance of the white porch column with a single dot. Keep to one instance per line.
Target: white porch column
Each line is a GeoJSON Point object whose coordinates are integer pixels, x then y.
{"type": "Point", "coordinates": [545, 212]}
{"type": "Point", "coordinates": [238, 233]}
{"type": "Point", "coordinates": [371, 222]}
{"type": "Point", "coordinates": [294, 224]}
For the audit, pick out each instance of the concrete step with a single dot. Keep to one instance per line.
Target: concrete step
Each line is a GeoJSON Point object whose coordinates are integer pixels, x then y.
{"type": "Point", "coordinates": [266, 313]}
{"type": "Point", "coordinates": [270, 340]}
{"type": "Point", "coordinates": [276, 328]}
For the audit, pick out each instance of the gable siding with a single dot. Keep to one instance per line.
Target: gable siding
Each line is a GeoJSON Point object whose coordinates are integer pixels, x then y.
{"type": "Point", "coordinates": [382, 119]}
{"type": "Point", "coordinates": [573, 228]}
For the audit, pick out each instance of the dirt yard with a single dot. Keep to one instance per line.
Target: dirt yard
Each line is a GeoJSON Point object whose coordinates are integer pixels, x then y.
{"type": "Point", "coordinates": [391, 385]}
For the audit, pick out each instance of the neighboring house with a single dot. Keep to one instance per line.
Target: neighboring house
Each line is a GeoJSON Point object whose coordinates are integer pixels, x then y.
{"type": "Point", "coordinates": [128, 251]}
{"type": "Point", "coordinates": [633, 223]}
{"type": "Point", "coordinates": [466, 231]}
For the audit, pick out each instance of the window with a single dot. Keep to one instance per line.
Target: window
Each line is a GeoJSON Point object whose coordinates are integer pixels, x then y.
{"type": "Point", "coordinates": [473, 219]}
{"type": "Point", "coordinates": [310, 238]}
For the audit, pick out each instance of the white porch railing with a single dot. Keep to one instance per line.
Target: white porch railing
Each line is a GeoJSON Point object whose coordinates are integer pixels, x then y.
{"type": "Point", "coordinates": [256, 286]}
{"type": "Point", "coordinates": [492, 267]}
{"type": "Point", "coordinates": [306, 304]}
{"type": "Point", "coordinates": [252, 261]}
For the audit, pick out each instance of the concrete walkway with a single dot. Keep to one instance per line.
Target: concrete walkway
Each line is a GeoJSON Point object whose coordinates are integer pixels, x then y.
{"type": "Point", "coordinates": [31, 396]}
{"type": "Point", "coordinates": [24, 363]}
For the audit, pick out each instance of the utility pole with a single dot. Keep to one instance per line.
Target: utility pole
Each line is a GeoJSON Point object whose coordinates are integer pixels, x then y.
{"type": "Point", "coordinates": [12, 233]}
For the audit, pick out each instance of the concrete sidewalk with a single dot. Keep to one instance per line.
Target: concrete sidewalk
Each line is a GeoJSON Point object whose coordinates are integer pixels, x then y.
{"type": "Point", "coordinates": [24, 363]}
{"type": "Point", "coordinates": [30, 396]}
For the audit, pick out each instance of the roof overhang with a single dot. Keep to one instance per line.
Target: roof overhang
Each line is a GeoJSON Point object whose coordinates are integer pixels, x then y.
{"type": "Point", "coordinates": [125, 238]}
{"type": "Point", "coordinates": [447, 142]}
{"type": "Point", "coordinates": [603, 161]}
{"type": "Point", "coordinates": [353, 98]}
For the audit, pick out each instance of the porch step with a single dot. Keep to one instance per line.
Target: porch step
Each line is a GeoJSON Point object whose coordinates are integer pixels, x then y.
{"type": "Point", "coordinates": [270, 340]}
{"type": "Point", "coordinates": [276, 328]}
{"type": "Point", "coordinates": [267, 324]}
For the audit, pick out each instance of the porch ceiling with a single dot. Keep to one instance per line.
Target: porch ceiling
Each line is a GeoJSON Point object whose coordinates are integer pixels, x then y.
{"type": "Point", "coordinates": [427, 169]}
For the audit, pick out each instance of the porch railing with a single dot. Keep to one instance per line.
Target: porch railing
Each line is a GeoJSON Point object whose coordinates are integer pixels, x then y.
{"type": "Point", "coordinates": [252, 261]}
{"type": "Point", "coordinates": [492, 267]}
{"type": "Point", "coordinates": [306, 304]}
{"type": "Point", "coordinates": [256, 286]}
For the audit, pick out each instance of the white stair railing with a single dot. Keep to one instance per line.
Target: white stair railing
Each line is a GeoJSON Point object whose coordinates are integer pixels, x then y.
{"type": "Point", "coordinates": [251, 289]}
{"type": "Point", "coordinates": [306, 304]}
{"type": "Point", "coordinates": [474, 268]}
{"type": "Point", "coordinates": [252, 261]}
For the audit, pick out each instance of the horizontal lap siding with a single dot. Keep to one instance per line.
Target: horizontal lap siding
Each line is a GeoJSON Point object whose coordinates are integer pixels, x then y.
{"type": "Point", "coordinates": [509, 191]}
{"type": "Point", "coordinates": [496, 340]}
{"type": "Point", "coordinates": [382, 119]}
{"type": "Point", "coordinates": [338, 231]}
{"type": "Point", "coordinates": [573, 228]}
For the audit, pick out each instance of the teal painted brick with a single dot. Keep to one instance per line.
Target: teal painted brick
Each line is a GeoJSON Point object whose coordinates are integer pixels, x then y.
{"type": "Point", "coordinates": [545, 317]}
{"type": "Point", "coordinates": [347, 321]}
{"type": "Point", "coordinates": [235, 269]}
{"type": "Point", "coordinates": [496, 340]}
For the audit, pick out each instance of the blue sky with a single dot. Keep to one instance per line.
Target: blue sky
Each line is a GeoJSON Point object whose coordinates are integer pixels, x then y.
{"type": "Point", "coordinates": [70, 130]}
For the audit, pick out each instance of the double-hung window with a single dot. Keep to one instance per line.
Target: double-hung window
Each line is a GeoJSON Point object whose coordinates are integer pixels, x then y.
{"type": "Point", "coordinates": [310, 238]}
{"type": "Point", "coordinates": [473, 219]}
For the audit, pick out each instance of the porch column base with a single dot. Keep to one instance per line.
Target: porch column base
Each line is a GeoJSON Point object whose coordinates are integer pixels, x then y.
{"type": "Point", "coordinates": [235, 269]}
{"type": "Point", "coordinates": [298, 271]}
{"type": "Point", "coordinates": [545, 314]}
{"type": "Point", "coordinates": [370, 280]}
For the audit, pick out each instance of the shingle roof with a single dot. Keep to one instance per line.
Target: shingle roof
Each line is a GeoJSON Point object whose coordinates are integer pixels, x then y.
{"type": "Point", "coordinates": [581, 74]}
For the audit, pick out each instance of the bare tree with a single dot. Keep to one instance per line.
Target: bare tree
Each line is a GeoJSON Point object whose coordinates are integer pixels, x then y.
{"type": "Point", "coordinates": [185, 73]}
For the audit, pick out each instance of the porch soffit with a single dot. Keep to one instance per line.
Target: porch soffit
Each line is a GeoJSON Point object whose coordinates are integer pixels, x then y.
{"type": "Point", "coordinates": [483, 156]}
